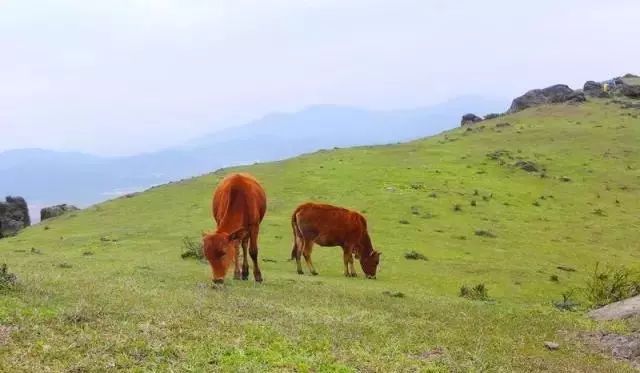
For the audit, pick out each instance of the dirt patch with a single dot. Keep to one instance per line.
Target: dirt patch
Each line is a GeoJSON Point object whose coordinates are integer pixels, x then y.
{"type": "Point", "coordinates": [621, 347]}
{"type": "Point", "coordinates": [5, 334]}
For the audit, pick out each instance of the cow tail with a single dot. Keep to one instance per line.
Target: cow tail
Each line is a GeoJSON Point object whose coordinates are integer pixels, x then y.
{"type": "Point", "coordinates": [294, 227]}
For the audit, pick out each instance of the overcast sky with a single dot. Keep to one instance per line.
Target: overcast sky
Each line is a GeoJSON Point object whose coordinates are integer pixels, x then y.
{"type": "Point", "coordinates": [120, 77]}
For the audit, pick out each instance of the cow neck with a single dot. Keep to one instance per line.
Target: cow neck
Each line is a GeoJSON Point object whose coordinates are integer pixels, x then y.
{"type": "Point", "coordinates": [233, 218]}
{"type": "Point", "coordinates": [365, 248]}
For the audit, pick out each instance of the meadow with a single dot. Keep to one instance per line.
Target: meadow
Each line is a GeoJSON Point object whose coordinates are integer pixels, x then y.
{"type": "Point", "coordinates": [106, 288]}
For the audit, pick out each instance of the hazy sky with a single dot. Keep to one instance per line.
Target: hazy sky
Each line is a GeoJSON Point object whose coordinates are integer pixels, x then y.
{"type": "Point", "coordinates": [119, 77]}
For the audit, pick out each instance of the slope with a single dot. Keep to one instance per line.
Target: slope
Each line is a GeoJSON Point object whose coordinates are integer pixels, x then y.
{"type": "Point", "coordinates": [105, 288]}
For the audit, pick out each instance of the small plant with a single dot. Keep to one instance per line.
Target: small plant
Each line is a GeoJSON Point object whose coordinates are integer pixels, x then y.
{"type": "Point", "coordinates": [484, 233]}
{"type": "Point", "coordinates": [191, 249]}
{"type": "Point", "coordinates": [478, 292]}
{"type": "Point", "coordinates": [394, 294]}
{"type": "Point", "coordinates": [35, 251]}
{"type": "Point", "coordinates": [599, 212]}
{"type": "Point", "coordinates": [457, 207]}
{"type": "Point", "coordinates": [554, 278]}
{"type": "Point", "coordinates": [87, 253]}
{"type": "Point", "coordinates": [7, 279]}
{"type": "Point", "coordinates": [612, 284]}
{"type": "Point", "coordinates": [414, 255]}
{"type": "Point", "coordinates": [65, 265]}
{"type": "Point", "coordinates": [567, 303]}
{"type": "Point", "coordinates": [473, 202]}
{"type": "Point", "coordinates": [536, 203]}
{"type": "Point", "coordinates": [415, 210]}
{"type": "Point", "coordinates": [403, 221]}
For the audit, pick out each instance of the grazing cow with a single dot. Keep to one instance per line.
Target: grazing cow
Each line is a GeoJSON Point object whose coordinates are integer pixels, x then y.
{"type": "Point", "coordinates": [239, 204]}
{"type": "Point", "coordinates": [329, 225]}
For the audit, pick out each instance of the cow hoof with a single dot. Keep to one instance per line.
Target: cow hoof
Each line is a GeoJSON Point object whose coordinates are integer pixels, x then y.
{"type": "Point", "coordinates": [300, 273]}
{"type": "Point", "coordinates": [259, 279]}
{"type": "Point", "coordinates": [237, 276]}
{"type": "Point", "coordinates": [354, 275]}
{"type": "Point", "coordinates": [314, 273]}
{"type": "Point", "coordinates": [218, 282]}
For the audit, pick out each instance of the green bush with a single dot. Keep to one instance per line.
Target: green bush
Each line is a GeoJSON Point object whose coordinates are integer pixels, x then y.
{"type": "Point", "coordinates": [478, 292]}
{"type": "Point", "coordinates": [612, 284]}
{"type": "Point", "coordinates": [191, 249]}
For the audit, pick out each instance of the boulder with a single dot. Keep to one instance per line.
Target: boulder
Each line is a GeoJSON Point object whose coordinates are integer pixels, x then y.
{"type": "Point", "coordinates": [14, 216]}
{"type": "Point", "coordinates": [53, 211]}
{"type": "Point", "coordinates": [618, 310]}
{"type": "Point", "coordinates": [594, 89]}
{"type": "Point", "coordinates": [631, 91]}
{"type": "Point", "coordinates": [470, 119]}
{"type": "Point", "coordinates": [559, 93]}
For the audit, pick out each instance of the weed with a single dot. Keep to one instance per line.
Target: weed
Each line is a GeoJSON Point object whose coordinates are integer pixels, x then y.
{"type": "Point", "coordinates": [611, 284]}
{"type": "Point", "coordinates": [394, 294]}
{"type": "Point", "coordinates": [191, 249]}
{"type": "Point", "coordinates": [457, 207]}
{"type": "Point", "coordinates": [7, 279]}
{"type": "Point", "coordinates": [554, 278]}
{"type": "Point", "coordinates": [484, 233]}
{"type": "Point", "coordinates": [414, 255]}
{"type": "Point", "coordinates": [478, 292]}
{"type": "Point", "coordinates": [403, 221]}
{"type": "Point", "coordinates": [65, 265]}
{"type": "Point", "coordinates": [567, 303]}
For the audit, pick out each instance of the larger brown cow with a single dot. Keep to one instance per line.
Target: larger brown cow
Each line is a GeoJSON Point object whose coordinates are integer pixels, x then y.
{"type": "Point", "coordinates": [239, 205]}
{"type": "Point", "coordinates": [329, 225]}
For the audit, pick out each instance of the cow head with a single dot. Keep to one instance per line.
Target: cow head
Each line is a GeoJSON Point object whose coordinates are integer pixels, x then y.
{"type": "Point", "coordinates": [370, 263]}
{"type": "Point", "coordinates": [220, 250]}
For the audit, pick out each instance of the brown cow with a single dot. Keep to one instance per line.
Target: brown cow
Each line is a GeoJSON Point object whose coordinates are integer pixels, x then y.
{"type": "Point", "coordinates": [329, 225]}
{"type": "Point", "coordinates": [239, 204]}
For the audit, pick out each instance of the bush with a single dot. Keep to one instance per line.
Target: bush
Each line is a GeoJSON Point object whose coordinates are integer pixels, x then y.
{"type": "Point", "coordinates": [191, 249]}
{"type": "Point", "coordinates": [612, 284]}
{"type": "Point", "coordinates": [414, 255]}
{"type": "Point", "coordinates": [478, 292]}
{"type": "Point", "coordinates": [566, 304]}
{"type": "Point", "coordinates": [7, 279]}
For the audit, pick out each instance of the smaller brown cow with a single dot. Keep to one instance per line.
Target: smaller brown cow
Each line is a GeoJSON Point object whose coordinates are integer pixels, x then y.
{"type": "Point", "coordinates": [239, 205]}
{"type": "Point", "coordinates": [329, 225]}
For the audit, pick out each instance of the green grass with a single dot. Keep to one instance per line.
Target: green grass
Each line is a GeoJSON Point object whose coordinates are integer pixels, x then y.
{"type": "Point", "coordinates": [135, 305]}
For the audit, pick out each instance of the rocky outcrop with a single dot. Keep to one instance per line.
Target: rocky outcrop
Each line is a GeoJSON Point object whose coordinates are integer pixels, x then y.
{"type": "Point", "coordinates": [617, 311]}
{"type": "Point", "coordinates": [470, 119]}
{"type": "Point", "coordinates": [555, 94]}
{"type": "Point", "coordinates": [14, 216]}
{"type": "Point", "coordinates": [53, 211]}
{"type": "Point", "coordinates": [631, 91]}
{"type": "Point", "coordinates": [594, 89]}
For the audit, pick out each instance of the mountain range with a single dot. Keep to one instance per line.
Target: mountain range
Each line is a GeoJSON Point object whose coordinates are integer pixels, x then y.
{"type": "Point", "coordinates": [45, 177]}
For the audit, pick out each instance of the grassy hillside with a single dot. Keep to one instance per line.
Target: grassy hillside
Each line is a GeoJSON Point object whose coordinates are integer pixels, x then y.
{"type": "Point", "coordinates": [106, 288]}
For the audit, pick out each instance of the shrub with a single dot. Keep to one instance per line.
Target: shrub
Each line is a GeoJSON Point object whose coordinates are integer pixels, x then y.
{"type": "Point", "coordinates": [478, 292]}
{"type": "Point", "coordinates": [414, 255]}
{"type": "Point", "coordinates": [191, 249]}
{"type": "Point", "coordinates": [7, 279]}
{"type": "Point", "coordinates": [483, 233]}
{"type": "Point", "coordinates": [566, 304]}
{"type": "Point", "coordinates": [612, 284]}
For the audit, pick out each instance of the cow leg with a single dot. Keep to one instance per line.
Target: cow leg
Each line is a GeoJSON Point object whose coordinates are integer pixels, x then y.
{"type": "Point", "coordinates": [236, 271]}
{"type": "Point", "coordinates": [253, 251]}
{"type": "Point", "coordinates": [245, 259]}
{"type": "Point", "coordinates": [352, 268]}
{"type": "Point", "coordinates": [346, 254]}
{"type": "Point", "coordinates": [308, 246]}
{"type": "Point", "coordinates": [300, 248]}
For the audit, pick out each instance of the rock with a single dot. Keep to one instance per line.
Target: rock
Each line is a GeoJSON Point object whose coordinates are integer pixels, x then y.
{"type": "Point", "coordinates": [618, 310]}
{"type": "Point", "coordinates": [629, 75]}
{"type": "Point", "coordinates": [555, 94]}
{"type": "Point", "coordinates": [14, 216]}
{"type": "Point", "coordinates": [594, 89]}
{"type": "Point", "coordinates": [631, 91]}
{"type": "Point", "coordinates": [552, 346]}
{"type": "Point", "coordinates": [57, 210]}
{"type": "Point", "coordinates": [470, 118]}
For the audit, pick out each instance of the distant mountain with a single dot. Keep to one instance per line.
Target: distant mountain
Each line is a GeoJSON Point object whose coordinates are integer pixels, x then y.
{"type": "Point", "coordinates": [46, 177]}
